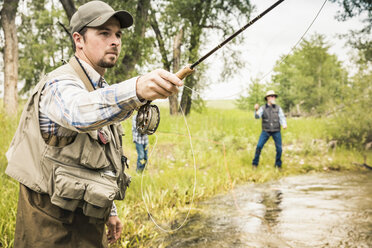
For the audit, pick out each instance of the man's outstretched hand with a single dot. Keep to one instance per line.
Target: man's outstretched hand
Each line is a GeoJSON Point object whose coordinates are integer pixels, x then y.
{"type": "Point", "coordinates": [158, 84]}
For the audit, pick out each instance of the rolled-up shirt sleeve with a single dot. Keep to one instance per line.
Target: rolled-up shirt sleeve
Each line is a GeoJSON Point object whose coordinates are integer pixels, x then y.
{"type": "Point", "coordinates": [114, 211]}
{"type": "Point", "coordinates": [258, 114]}
{"type": "Point", "coordinates": [282, 118]}
{"type": "Point", "coordinates": [69, 104]}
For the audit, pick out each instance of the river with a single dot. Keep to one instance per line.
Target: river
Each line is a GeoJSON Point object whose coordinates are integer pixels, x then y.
{"type": "Point", "coordinates": [313, 210]}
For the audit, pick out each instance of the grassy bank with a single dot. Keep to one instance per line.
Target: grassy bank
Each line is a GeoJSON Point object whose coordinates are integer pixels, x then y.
{"type": "Point", "coordinates": [223, 142]}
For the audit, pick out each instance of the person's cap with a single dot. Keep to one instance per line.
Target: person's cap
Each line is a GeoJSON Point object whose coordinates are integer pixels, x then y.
{"type": "Point", "coordinates": [96, 13]}
{"type": "Point", "coordinates": [270, 93]}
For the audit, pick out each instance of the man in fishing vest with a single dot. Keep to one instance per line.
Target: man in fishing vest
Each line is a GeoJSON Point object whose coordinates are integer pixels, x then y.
{"type": "Point", "coordinates": [67, 151]}
{"type": "Point", "coordinates": [272, 119]}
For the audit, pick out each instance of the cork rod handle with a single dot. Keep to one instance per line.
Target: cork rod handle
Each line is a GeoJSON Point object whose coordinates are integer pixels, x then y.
{"type": "Point", "coordinates": [184, 72]}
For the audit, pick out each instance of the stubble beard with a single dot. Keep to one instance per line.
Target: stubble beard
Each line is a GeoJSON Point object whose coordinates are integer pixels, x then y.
{"type": "Point", "coordinates": [106, 64]}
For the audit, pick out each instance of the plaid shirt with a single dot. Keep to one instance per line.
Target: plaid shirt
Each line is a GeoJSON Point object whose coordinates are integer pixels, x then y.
{"type": "Point", "coordinates": [65, 102]}
{"type": "Point", "coordinates": [137, 137]}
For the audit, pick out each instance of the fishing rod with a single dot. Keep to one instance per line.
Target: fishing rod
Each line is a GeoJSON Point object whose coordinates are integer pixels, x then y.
{"type": "Point", "coordinates": [190, 69]}
{"type": "Point", "coordinates": [148, 116]}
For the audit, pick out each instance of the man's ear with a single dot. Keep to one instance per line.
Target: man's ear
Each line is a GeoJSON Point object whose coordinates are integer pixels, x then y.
{"type": "Point", "coordinates": [79, 40]}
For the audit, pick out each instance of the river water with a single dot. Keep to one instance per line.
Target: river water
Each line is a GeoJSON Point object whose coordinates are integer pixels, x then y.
{"type": "Point", "coordinates": [313, 210]}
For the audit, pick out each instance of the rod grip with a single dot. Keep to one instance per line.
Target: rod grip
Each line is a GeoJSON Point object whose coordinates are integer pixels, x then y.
{"type": "Point", "coordinates": [184, 72]}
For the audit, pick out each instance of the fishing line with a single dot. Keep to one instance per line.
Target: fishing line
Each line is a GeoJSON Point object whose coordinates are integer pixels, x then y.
{"type": "Point", "coordinates": [298, 42]}
{"type": "Point", "coordinates": [264, 221]}
{"type": "Point", "coordinates": [285, 57]}
{"type": "Point", "coordinates": [193, 193]}
{"type": "Point", "coordinates": [192, 150]}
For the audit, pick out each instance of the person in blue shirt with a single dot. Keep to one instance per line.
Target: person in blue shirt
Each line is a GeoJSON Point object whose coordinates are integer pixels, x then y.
{"type": "Point", "coordinates": [272, 120]}
{"type": "Point", "coordinates": [141, 141]}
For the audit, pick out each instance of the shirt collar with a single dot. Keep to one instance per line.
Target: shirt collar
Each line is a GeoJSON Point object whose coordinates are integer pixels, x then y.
{"type": "Point", "coordinates": [94, 76]}
{"type": "Point", "coordinates": [272, 105]}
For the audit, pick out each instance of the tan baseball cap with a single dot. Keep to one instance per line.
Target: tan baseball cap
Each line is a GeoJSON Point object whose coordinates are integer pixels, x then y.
{"type": "Point", "coordinates": [96, 13]}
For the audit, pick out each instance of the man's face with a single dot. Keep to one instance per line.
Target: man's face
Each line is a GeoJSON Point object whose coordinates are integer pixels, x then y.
{"type": "Point", "coordinates": [271, 99]}
{"type": "Point", "coordinates": [102, 45]}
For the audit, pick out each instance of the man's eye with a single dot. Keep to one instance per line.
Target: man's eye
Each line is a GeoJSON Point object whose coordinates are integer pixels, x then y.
{"type": "Point", "coordinates": [118, 36]}
{"type": "Point", "coordinates": [105, 33]}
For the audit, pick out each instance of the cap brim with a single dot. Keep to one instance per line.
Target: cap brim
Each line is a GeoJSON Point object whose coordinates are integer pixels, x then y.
{"type": "Point", "coordinates": [124, 17]}
{"type": "Point", "coordinates": [271, 95]}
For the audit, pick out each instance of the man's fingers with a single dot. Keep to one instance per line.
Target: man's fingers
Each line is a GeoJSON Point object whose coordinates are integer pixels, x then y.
{"type": "Point", "coordinates": [158, 84]}
{"type": "Point", "coordinates": [111, 235]}
{"type": "Point", "coordinates": [119, 229]}
{"type": "Point", "coordinates": [114, 229]}
{"type": "Point", "coordinates": [164, 87]}
{"type": "Point", "coordinates": [170, 77]}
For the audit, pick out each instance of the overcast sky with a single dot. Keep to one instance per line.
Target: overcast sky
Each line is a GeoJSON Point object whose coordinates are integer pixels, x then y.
{"type": "Point", "coordinates": [274, 35]}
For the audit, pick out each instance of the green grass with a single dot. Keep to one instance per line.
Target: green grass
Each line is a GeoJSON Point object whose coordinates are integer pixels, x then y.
{"type": "Point", "coordinates": [169, 179]}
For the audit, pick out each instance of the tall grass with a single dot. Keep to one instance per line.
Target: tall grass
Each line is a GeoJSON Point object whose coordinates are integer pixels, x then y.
{"type": "Point", "coordinates": [9, 188]}
{"type": "Point", "coordinates": [223, 142]}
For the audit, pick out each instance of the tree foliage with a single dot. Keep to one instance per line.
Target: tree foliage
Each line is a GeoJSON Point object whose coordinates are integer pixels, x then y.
{"type": "Point", "coordinates": [42, 41]}
{"type": "Point", "coordinates": [311, 76]}
{"type": "Point", "coordinates": [360, 39]}
{"type": "Point", "coordinates": [197, 17]}
{"type": "Point", "coordinates": [256, 92]}
{"type": "Point", "coordinates": [352, 124]}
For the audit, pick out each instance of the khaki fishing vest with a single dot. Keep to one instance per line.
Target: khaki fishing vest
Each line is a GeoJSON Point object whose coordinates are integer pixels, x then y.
{"type": "Point", "coordinates": [78, 171]}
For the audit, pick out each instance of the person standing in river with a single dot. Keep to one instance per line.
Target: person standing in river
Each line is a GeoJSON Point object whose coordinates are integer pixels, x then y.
{"type": "Point", "coordinates": [67, 152]}
{"type": "Point", "coordinates": [272, 120]}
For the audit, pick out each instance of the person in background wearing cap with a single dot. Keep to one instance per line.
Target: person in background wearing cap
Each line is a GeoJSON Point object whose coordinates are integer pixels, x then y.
{"type": "Point", "coordinates": [70, 132]}
{"type": "Point", "coordinates": [272, 119]}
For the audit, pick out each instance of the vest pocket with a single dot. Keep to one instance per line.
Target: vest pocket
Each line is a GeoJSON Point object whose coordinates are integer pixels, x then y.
{"type": "Point", "coordinates": [68, 191]}
{"type": "Point", "coordinates": [98, 200]}
{"type": "Point", "coordinates": [93, 156]}
{"type": "Point", "coordinates": [78, 187]}
{"type": "Point", "coordinates": [123, 183]}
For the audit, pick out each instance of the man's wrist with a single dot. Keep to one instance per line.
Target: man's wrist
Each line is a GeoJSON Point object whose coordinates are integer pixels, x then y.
{"type": "Point", "coordinates": [139, 96]}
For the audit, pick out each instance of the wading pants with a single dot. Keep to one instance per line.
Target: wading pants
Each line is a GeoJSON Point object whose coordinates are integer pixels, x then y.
{"type": "Point", "coordinates": [41, 224]}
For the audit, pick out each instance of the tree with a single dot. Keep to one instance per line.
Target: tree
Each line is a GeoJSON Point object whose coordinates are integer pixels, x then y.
{"type": "Point", "coordinates": [8, 15]}
{"type": "Point", "coordinates": [360, 39]}
{"type": "Point", "coordinates": [311, 75]}
{"type": "Point", "coordinates": [41, 52]}
{"type": "Point", "coordinates": [197, 18]}
{"type": "Point", "coordinates": [69, 7]}
{"type": "Point", "coordinates": [351, 124]}
{"type": "Point", "coordinates": [256, 93]}
{"type": "Point", "coordinates": [167, 63]}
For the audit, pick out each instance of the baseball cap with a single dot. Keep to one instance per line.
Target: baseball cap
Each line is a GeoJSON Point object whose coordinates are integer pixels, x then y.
{"type": "Point", "coordinates": [96, 13]}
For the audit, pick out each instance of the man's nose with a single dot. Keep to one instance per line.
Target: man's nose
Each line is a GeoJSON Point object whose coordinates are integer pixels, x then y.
{"type": "Point", "coordinates": [115, 41]}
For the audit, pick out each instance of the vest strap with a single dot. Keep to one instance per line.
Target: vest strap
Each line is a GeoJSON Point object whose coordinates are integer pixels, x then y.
{"type": "Point", "coordinates": [77, 67]}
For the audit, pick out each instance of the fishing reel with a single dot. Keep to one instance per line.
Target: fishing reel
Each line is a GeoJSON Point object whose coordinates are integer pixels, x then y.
{"type": "Point", "coordinates": [148, 119]}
